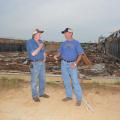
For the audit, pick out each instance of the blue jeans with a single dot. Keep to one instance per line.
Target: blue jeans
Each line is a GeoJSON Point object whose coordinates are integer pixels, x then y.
{"type": "Point", "coordinates": [37, 72]}
{"type": "Point", "coordinates": [69, 74]}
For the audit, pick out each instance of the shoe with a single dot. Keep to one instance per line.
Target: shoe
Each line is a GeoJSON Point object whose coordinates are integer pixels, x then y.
{"type": "Point", "coordinates": [66, 99]}
{"type": "Point", "coordinates": [45, 96]}
{"type": "Point", "coordinates": [78, 103]}
{"type": "Point", "coordinates": [36, 99]}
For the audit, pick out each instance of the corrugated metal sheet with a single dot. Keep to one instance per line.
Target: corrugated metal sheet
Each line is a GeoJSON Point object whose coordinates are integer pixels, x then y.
{"type": "Point", "coordinates": [112, 45]}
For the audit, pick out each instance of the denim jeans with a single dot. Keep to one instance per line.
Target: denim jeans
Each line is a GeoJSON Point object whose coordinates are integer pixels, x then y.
{"type": "Point", "coordinates": [69, 74]}
{"type": "Point", "coordinates": [37, 72]}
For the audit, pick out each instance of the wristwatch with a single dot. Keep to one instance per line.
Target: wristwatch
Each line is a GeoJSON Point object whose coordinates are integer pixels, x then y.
{"type": "Point", "coordinates": [75, 64]}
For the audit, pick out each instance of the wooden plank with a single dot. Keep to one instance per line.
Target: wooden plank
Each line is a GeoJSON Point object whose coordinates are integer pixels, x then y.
{"type": "Point", "coordinates": [86, 60]}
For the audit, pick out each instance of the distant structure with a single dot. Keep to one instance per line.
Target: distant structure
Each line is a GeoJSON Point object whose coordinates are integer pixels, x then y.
{"type": "Point", "coordinates": [111, 45]}
{"type": "Point", "coordinates": [101, 45]}
{"type": "Point", "coordinates": [12, 45]}
{"type": "Point", "coordinates": [15, 45]}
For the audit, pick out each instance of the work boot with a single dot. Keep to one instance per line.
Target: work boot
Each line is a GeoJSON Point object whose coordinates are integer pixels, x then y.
{"type": "Point", "coordinates": [45, 96]}
{"type": "Point", "coordinates": [66, 99]}
{"type": "Point", "coordinates": [78, 103]}
{"type": "Point", "coordinates": [36, 99]}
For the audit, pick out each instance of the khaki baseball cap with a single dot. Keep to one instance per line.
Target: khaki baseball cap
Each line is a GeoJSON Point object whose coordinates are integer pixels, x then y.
{"type": "Point", "coordinates": [37, 31]}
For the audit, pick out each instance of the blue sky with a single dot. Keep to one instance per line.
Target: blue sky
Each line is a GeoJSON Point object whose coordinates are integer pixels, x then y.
{"type": "Point", "coordinates": [88, 18]}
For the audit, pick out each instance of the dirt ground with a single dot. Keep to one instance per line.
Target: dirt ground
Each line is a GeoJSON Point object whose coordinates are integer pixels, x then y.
{"type": "Point", "coordinates": [17, 104]}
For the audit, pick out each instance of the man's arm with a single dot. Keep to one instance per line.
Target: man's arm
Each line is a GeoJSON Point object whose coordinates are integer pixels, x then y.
{"type": "Point", "coordinates": [36, 51]}
{"type": "Point", "coordinates": [44, 57]}
{"type": "Point", "coordinates": [73, 65]}
{"type": "Point", "coordinates": [80, 52]}
{"type": "Point", "coordinates": [78, 59]}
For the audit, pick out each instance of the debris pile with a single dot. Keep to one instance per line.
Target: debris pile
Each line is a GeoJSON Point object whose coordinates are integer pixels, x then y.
{"type": "Point", "coordinates": [98, 62]}
{"type": "Point", "coordinates": [13, 61]}
{"type": "Point", "coordinates": [102, 64]}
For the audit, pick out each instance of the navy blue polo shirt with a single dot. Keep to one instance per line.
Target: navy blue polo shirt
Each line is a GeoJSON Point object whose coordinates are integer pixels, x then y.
{"type": "Point", "coordinates": [31, 46]}
{"type": "Point", "coordinates": [70, 50]}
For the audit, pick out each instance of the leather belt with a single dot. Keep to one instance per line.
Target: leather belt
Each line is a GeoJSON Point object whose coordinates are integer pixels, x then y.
{"type": "Point", "coordinates": [36, 60]}
{"type": "Point", "coordinates": [68, 61]}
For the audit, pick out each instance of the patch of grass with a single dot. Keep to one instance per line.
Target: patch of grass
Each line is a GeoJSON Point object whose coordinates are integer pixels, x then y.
{"type": "Point", "coordinates": [4, 78]}
{"type": "Point", "coordinates": [10, 83]}
{"type": "Point", "coordinates": [55, 83]}
{"type": "Point", "coordinates": [117, 83]}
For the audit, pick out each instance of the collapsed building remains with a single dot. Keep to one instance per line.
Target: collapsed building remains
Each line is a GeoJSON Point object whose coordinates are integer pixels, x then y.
{"type": "Point", "coordinates": [99, 59]}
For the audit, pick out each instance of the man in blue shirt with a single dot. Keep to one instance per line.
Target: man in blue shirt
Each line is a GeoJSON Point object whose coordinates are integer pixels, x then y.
{"type": "Point", "coordinates": [36, 54]}
{"type": "Point", "coordinates": [70, 52]}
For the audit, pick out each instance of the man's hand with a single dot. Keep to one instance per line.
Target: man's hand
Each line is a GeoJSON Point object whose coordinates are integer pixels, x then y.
{"type": "Point", "coordinates": [73, 65]}
{"type": "Point", "coordinates": [44, 60]}
{"type": "Point", "coordinates": [40, 47]}
{"type": "Point", "coordinates": [56, 57]}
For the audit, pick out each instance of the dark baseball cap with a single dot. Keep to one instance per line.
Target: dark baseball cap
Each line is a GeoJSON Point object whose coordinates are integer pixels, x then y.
{"type": "Point", "coordinates": [67, 30]}
{"type": "Point", "coordinates": [37, 31]}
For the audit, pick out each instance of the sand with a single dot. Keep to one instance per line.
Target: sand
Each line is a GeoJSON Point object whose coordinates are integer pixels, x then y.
{"type": "Point", "coordinates": [17, 104]}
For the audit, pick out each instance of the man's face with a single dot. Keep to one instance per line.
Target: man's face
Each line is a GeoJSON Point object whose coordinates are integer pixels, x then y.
{"type": "Point", "coordinates": [37, 36]}
{"type": "Point", "coordinates": [68, 35]}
